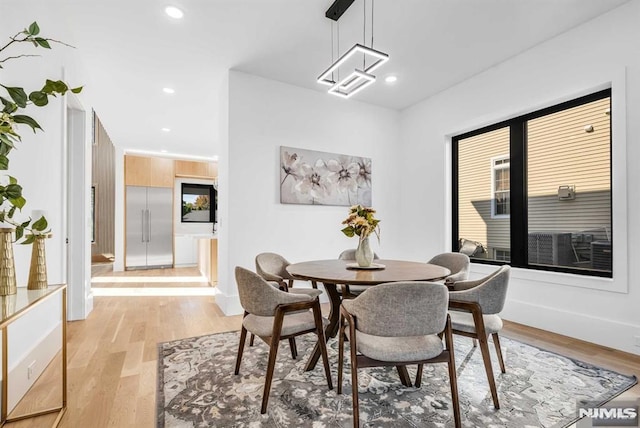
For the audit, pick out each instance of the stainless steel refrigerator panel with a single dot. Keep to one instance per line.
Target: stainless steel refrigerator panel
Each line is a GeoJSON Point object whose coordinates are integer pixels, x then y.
{"type": "Point", "coordinates": [136, 204]}
{"type": "Point", "coordinates": [159, 223]}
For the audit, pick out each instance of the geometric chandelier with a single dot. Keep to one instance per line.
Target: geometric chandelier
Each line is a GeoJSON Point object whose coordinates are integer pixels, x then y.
{"type": "Point", "coordinates": [354, 79]}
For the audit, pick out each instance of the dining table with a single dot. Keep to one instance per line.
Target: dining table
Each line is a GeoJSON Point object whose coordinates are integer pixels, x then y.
{"type": "Point", "coordinates": [346, 272]}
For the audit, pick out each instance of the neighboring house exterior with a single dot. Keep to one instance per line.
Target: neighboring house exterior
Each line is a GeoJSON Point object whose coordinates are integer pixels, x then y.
{"type": "Point", "coordinates": [568, 182]}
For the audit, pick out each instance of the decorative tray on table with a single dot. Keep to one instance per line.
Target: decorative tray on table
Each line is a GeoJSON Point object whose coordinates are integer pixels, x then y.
{"type": "Point", "coordinates": [373, 266]}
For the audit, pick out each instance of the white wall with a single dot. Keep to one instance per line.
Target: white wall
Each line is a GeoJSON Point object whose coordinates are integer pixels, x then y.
{"type": "Point", "coordinates": [263, 115]}
{"type": "Point", "coordinates": [39, 165]}
{"type": "Point", "coordinates": [603, 52]}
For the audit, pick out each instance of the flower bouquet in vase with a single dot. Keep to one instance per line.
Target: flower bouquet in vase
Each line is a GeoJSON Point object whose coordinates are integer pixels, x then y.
{"type": "Point", "coordinates": [361, 222]}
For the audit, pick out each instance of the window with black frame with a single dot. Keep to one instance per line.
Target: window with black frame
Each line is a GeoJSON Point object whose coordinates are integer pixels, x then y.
{"type": "Point", "coordinates": [535, 191]}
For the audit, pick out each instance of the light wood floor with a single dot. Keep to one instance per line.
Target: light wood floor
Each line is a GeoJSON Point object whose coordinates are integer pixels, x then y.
{"type": "Point", "coordinates": [112, 356]}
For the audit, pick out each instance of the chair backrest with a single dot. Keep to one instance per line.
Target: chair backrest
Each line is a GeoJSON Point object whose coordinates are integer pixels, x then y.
{"type": "Point", "coordinates": [400, 309]}
{"type": "Point", "coordinates": [457, 263]}
{"type": "Point", "coordinates": [257, 296]}
{"type": "Point", "coordinates": [351, 255]}
{"type": "Point", "coordinates": [491, 291]}
{"type": "Point", "coordinates": [272, 266]}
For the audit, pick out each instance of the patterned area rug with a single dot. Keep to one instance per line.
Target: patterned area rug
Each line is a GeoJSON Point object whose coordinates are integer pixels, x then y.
{"type": "Point", "coordinates": [197, 388]}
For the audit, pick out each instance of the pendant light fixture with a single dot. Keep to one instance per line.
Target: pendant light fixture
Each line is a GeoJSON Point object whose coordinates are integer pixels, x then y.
{"type": "Point", "coordinates": [355, 79]}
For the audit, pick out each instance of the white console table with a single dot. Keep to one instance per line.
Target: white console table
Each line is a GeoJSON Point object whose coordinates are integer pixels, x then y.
{"type": "Point", "coordinates": [12, 307]}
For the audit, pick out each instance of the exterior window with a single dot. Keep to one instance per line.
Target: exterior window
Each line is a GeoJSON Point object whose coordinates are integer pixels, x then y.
{"type": "Point", "coordinates": [483, 192]}
{"type": "Point", "coordinates": [500, 204]}
{"type": "Point", "coordinates": [545, 201]}
{"type": "Point", "coordinates": [502, 255]}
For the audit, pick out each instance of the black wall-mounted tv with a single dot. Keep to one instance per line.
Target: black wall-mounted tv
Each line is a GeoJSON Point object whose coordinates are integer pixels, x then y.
{"type": "Point", "coordinates": [198, 203]}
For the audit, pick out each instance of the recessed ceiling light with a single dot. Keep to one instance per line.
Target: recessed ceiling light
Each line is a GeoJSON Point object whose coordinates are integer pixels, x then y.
{"type": "Point", "coordinates": [166, 129]}
{"type": "Point", "coordinates": [163, 151]}
{"type": "Point", "coordinates": [173, 12]}
{"type": "Point", "coordinates": [391, 79]}
{"type": "Point", "coordinates": [168, 90]}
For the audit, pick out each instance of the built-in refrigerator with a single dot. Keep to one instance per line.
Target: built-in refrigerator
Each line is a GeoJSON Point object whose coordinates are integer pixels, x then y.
{"type": "Point", "coordinates": [149, 227]}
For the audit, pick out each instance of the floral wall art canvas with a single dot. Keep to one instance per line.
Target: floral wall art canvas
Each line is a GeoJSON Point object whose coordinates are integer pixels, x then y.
{"type": "Point", "coordinates": [319, 178]}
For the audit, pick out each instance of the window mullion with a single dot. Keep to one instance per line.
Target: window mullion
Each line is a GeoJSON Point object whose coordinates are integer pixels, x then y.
{"type": "Point", "coordinates": [518, 183]}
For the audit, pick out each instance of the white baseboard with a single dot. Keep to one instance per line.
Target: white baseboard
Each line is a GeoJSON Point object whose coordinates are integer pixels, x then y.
{"type": "Point", "coordinates": [601, 331]}
{"type": "Point", "coordinates": [40, 356]}
{"type": "Point", "coordinates": [229, 304]}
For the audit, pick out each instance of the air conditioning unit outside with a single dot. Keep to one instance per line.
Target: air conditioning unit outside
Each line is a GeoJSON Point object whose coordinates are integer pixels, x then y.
{"type": "Point", "coordinates": [601, 255]}
{"type": "Point", "coordinates": [550, 248]}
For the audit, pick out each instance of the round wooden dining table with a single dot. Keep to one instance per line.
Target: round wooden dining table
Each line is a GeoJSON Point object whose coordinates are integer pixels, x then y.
{"type": "Point", "coordinates": [333, 272]}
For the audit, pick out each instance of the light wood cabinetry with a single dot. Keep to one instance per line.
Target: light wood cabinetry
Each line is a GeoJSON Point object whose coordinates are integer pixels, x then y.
{"type": "Point", "coordinates": [195, 169]}
{"type": "Point", "coordinates": [208, 259]}
{"type": "Point", "coordinates": [148, 172]}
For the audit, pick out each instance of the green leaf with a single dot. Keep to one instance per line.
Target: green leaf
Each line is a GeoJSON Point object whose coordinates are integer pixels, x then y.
{"type": "Point", "coordinates": [39, 98]}
{"type": "Point", "coordinates": [26, 223]}
{"type": "Point", "coordinates": [5, 140]}
{"type": "Point", "coordinates": [34, 30]}
{"type": "Point", "coordinates": [348, 231]}
{"type": "Point", "coordinates": [19, 232]}
{"type": "Point", "coordinates": [13, 180]}
{"type": "Point", "coordinates": [4, 163]}
{"type": "Point", "coordinates": [43, 42]}
{"type": "Point", "coordinates": [2, 214]}
{"type": "Point", "coordinates": [18, 202]}
{"type": "Point", "coordinates": [40, 224]}
{"type": "Point", "coordinates": [13, 191]}
{"type": "Point", "coordinates": [77, 90]}
{"type": "Point", "coordinates": [11, 212]}
{"type": "Point", "coordinates": [29, 240]}
{"type": "Point", "coordinates": [27, 120]}
{"type": "Point", "coordinates": [9, 107]}
{"type": "Point", "coordinates": [60, 87]}
{"type": "Point", "coordinates": [48, 87]}
{"type": "Point", "coordinates": [18, 95]}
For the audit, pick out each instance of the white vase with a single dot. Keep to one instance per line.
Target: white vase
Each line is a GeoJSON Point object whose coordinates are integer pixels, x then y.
{"type": "Point", "coordinates": [364, 253]}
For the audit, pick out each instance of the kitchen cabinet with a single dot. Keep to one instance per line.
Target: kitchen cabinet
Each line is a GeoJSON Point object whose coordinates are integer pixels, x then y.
{"type": "Point", "coordinates": [149, 172]}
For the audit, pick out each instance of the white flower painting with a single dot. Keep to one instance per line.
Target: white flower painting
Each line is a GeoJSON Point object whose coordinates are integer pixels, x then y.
{"type": "Point", "coordinates": [319, 178]}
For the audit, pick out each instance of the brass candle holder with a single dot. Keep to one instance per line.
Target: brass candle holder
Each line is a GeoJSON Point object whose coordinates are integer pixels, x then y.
{"type": "Point", "coordinates": [38, 268]}
{"type": "Point", "coordinates": [7, 264]}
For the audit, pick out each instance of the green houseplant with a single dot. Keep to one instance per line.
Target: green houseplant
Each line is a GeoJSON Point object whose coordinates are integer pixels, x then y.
{"type": "Point", "coordinates": [14, 100]}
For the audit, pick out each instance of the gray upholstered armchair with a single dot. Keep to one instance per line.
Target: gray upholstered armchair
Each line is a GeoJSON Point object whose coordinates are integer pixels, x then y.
{"type": "Point", "coordinates": [397, 324]}
{"type": "Point", "coordinates": [274, 315]}
{"type": "Point", "coordinates": [273, 267]}
{"type": "Point", "coordinates": [457, 263]}
{"type": "Point", "coordinates": [474, 313]}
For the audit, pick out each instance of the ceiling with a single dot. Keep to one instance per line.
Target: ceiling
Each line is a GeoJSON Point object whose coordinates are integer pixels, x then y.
{"type": "Point", "coordinates": [130, 50]}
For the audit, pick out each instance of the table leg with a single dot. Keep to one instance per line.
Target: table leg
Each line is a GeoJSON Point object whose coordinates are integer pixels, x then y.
{"type": "Point", "coordinates": [334, 320]}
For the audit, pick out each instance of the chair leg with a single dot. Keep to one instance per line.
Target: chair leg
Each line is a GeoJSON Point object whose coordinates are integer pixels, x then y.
{"type": "Point", "coordinates": [251, 340]}
{"type": "Point", "coordinates": [341, 353]}
{"type": "Point", "coordinates": [243, 338]}
{"type": "Point", "coordinates": [419, 376]}
{"type": "Point", "coordinates": [317, 315]}
{"type": "Point", "coordinates": [453, 377]}
{"type": "Point", "coordinates": [486, 357]}
{"type": "Point", "coordinates": [273, 352]}
{"type": "Point", "coordinates": [294, 349]}
{"type": "Point", "coordinates": [496, 342]}
{"type": "Point", "coordinates": [354, 379]}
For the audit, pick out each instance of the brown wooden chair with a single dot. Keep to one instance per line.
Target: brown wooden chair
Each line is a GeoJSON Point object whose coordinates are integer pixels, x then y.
{"type": "Point", "coordinates": [397, 324]}
{"type": "Point", "coordinates": [474, 313]}
{"type": "Point", "coordinates": [274, 315]}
